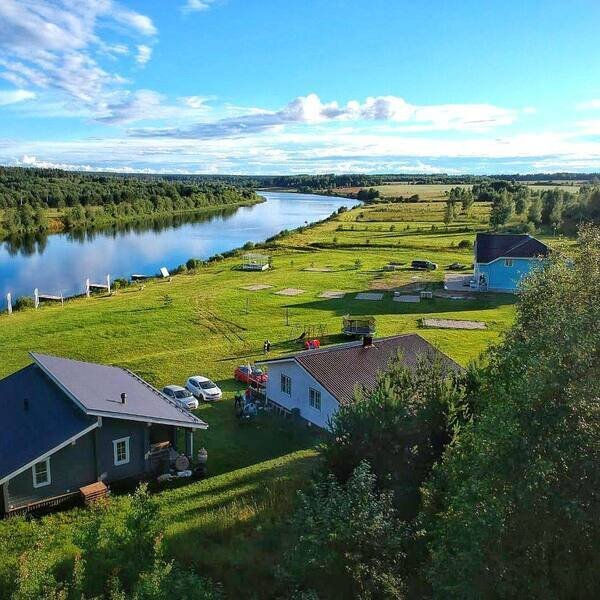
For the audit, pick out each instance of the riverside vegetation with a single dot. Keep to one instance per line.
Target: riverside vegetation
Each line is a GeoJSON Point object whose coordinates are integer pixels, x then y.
{"type": "Point", "coordinates": [239, 532]}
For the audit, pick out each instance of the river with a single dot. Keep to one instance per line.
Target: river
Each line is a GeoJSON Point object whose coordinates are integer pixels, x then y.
{"type": "Point", "coordinates": [60, 263]}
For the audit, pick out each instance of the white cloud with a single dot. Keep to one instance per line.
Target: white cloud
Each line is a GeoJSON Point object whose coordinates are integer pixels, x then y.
{"type": "Point", "coordinates": [141, 23]}
{"type": "Point", "coordinates": [197, 102]}
{"type": "Point", "coordinates": [55, 45]}
{"type": "Point", "coordinates": [144, 53]}
{"type": "Point", "coordinates": [15, 96]}
{"type": "Point", "coordinates": [589, 105]}
{"type": "Point", "coordinates": [196, 5]}
{"type": "Point", "coordinates": [311, 110]}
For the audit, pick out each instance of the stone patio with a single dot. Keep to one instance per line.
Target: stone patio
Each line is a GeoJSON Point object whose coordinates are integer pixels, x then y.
{"type": "Point", "coordinates": [290, 292]}
{"type": "Point", "coordinates": [407, 299]}
{"type": "Point", "coordinates": [332, 294]}
{"type": "Point", "coordinates": [369, 296]}
{"type": "Point", "coordinates": [451, 324]}
{"type": "Point", "coordinates": [256, 287]}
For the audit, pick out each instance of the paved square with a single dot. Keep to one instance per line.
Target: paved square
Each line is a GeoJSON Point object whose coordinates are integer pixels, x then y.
{"type": "Point", "coordinates": [256, 287]}
{"type": "Point", "coordinates": [290, 292]}
{"type": "Point", "coordinates": [369, 296]}
{"type": "Point", "coordinates": [332, 294]}
{"type": "Point", "coordinates": [451, 324]}
{"type": "Point", "coordinates": [407, 299]}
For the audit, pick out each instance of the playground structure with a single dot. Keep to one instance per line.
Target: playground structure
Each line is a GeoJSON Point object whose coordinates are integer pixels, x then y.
{"type": "Point", "coordinates": [363, 325]}
{"type": "Point", "coordinates": [255, 262]}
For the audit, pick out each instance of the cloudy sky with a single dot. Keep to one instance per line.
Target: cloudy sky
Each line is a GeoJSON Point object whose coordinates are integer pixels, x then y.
{"type": "Point", "coordinates": [280, 86]}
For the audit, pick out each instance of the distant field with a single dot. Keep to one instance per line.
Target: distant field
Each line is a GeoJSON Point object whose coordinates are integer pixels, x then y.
{"type": "Point", "coordinates": [437, 192]}
{"type": "Point", "coordinates": [425, 191]}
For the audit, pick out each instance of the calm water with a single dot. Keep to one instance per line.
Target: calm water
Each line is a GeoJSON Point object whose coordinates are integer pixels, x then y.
{"type": "Point", "coordinates": [60, 263]}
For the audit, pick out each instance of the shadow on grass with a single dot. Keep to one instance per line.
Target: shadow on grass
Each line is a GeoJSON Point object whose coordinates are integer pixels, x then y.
{"type": "Point", "coordinates": [387, 306]}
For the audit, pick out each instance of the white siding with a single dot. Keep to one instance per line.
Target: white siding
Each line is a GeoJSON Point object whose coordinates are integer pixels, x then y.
{"type": "Point", "coordinates": [302, 381]}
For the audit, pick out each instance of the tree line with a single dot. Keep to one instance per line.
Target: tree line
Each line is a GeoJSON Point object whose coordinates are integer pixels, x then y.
{"type": "Point", "coordinates": [92, 199]}
{"type": "Point", "coordinates": [556, 210]}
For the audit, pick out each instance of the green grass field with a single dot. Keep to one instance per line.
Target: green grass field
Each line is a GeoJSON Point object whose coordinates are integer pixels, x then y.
{"type": "Point", "coordinates": [436, 192]}
{"type": "Point", "coordinates": [206, 323]}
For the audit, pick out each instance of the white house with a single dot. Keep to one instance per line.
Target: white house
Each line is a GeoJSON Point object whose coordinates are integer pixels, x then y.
{"type": "Point", "coordinates": [317, 382]}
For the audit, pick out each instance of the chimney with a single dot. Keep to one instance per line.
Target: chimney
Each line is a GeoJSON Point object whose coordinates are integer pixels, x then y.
{"type": "Point", "coordinates": [368, 341]}
{"type": "Point", "coordinates": [25, 405]}
{"type": "Point", "coordinates": [123, 398]}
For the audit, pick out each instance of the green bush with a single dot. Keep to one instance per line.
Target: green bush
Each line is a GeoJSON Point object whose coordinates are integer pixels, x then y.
{"type": "Point", "coordinates": [23, 303]}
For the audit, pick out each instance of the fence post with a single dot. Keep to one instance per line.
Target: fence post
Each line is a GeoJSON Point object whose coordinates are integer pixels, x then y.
{"type": "Point", "coordinates": [36, 297]}
{"type": "Point", "coordinates": [9, 303]}
{"type": "Point", "coordinates": [108, 283]}
{"type": "Point", "coordinates": [87, 287]}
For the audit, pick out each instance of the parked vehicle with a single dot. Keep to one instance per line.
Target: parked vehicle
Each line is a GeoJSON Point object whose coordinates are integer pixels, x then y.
{"type": "Point", "coordinates": [181, 396]}
{"type": "Point", "coordinates": [250, 374]}
{"type": "Point", "coordinates": [203, 388]}
{"type": "Point", "coordinates": [424, 265]}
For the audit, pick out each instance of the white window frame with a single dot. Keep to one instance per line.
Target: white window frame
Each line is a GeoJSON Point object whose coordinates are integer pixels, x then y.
{"type": "Point", "coordinates": [116, 443]}
{"type": "Point", "coordinates": [48, 480]}
{"type": "Point", "coordinates": [313, 397]}
{"type": "Point", "coordinates": [509, 262]}
{"type": "Point", "coordinates": [286, 384]}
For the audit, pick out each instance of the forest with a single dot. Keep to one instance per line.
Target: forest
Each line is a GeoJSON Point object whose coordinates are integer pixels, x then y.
{"type": "Point", "coordinates": [88, 200]}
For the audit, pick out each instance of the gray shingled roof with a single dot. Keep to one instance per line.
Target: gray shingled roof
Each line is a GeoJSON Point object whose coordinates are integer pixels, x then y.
{"type": "Point", "coordinates": [339, 369]}
{"type": "Point", "coordinates": [97, 390]}
{"type": "Point", "coordinates": [490, 246]}
{"type": "Point", "coordinates": [49, 420]}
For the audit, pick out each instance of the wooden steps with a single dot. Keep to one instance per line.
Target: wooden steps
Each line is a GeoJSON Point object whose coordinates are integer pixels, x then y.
{"type": "Point", "coordinates": [93, 492]}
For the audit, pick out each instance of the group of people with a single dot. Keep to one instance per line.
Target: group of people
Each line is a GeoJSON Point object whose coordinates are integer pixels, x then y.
{"type": "Point", "coordinates": [244, 404]}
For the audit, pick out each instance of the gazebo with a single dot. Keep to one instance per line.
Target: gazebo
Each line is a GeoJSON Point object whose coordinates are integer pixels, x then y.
{"type": "Point", "coordinates": [363, 325]}
{"type": "Point", "coordinates": [255, 262]}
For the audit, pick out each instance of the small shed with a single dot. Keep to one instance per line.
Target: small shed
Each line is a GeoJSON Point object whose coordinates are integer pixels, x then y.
{"type": "Point", "coordinates": [363, 325]}
{"type": "Point", "coordinates": [255, 262]}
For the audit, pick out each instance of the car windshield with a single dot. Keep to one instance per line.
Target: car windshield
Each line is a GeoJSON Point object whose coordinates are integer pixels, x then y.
{"type": "Point", "coordinates": [207, 385]}
{"type": "Point", "coordinates": [182, 394]}
{"type": "Point", "coordinates": [256, 371]}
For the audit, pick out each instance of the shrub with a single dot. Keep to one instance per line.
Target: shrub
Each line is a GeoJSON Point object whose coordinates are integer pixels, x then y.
{"type": "Point", "coordinates": [193, 263]}
{"type": "Point", "coordinates": [23, 302]}
{"type": "Point", "coordinates": [465, 244]}
{"type": "Point", "coordinates": [349, 538]}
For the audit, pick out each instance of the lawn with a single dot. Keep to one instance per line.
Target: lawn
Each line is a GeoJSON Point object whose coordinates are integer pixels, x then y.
{"type": "Point", "coordinates": [206, 323]}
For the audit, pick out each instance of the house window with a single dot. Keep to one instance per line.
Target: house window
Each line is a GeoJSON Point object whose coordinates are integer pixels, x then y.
{"type": "Point", "coordinates": [286, 384]}
{"type": "Point", "coordinates": [508, 262]}
{"type": "Point", "coordinates": [41, 474]}
{"type": "Point", "coordinates": [121, 451]}
{"type": "Point", "coordinates": [314, 398]}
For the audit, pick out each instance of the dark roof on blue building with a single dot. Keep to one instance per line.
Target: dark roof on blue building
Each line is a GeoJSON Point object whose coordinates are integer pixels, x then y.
{"type": "Point", "coordinates": [30, 430]}
{"type": "Point", "coordinates": [97, 390]}
{"type": "Point", "coordinates": [491, 246]}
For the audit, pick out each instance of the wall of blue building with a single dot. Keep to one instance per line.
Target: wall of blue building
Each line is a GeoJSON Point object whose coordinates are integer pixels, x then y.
{"type": "Point", "coordinates": [503, 276]}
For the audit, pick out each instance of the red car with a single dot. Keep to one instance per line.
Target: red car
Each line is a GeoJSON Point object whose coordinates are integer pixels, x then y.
{"type": "Point", "coordinates": [250, 374]}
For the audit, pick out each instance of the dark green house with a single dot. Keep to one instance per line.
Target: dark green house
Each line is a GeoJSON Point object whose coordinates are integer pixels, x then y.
{"type": "Point", "coordinates": [66, 424]}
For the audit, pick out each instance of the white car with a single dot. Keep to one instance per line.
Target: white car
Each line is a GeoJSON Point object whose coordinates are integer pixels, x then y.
{"type": "Point", "coordinates": [181, 396]}
{"type": "Point", "coordinates": [203, 388]}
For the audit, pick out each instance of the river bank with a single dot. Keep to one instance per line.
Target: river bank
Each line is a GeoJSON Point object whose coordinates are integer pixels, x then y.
{"type": "Point", "coordinates": [60, 263]}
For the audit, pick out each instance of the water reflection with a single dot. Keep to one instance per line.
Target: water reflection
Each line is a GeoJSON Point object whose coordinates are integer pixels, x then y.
{"type": "Point", "coordinates": [60, 263]}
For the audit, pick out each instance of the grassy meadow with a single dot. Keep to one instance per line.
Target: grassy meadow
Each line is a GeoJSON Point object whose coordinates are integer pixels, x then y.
{"type": "Point", "coordinates": [204, 322]}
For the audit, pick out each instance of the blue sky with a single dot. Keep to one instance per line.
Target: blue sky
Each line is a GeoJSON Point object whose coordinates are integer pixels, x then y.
{"type": "Point", "coordinates": [277, 86]}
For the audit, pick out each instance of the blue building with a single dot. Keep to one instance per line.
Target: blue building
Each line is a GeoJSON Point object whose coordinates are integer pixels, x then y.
{"type": "Point", "coordinates": [502, 260]}
{"type": "Point", "coordinates": [66, 425]}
